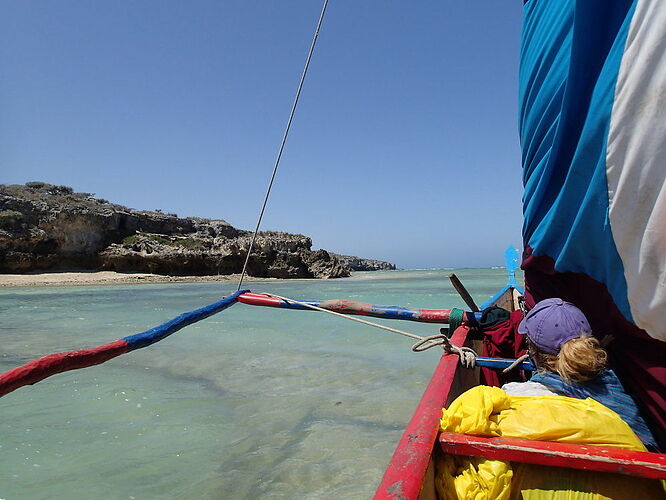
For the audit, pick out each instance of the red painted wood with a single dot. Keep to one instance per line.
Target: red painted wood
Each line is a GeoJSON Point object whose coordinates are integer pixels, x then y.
{"type": "Point", "coordinates": [573, 456]}
{"type": "Point", "coordinates": [434, 315]}
{"type": "Point", "coordinates": [360, 309]}
{"type": "Point", "coordinates": [363, 309]}
{"type": "Point", "coordinates": [404, 475]}
{"type": "Point", "coordinates": [37, 370]}
{"type": "Point", "coordinates": [257, 299]}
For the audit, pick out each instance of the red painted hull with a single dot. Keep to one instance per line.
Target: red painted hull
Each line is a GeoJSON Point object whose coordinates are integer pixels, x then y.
{"type": "Point", "coordinates": [405, 473]}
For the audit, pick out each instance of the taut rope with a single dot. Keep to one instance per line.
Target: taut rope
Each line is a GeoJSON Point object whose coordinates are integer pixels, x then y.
{"type": "Point", "coordinates": [358, 320]}
{"type": "Point", "coordinates": [466, 354]}
{"type": "Point", "coordinates": [284, 140]}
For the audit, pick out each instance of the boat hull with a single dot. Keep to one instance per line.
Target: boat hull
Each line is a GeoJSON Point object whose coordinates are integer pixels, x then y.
{"type": "Point", "coordinates": [410, 473]}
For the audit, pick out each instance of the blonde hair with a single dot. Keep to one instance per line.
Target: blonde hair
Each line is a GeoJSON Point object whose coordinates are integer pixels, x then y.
{"type": "Point", "coordinates": [579, 360]}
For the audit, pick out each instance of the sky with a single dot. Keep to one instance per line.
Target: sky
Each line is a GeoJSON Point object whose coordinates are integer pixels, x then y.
{"type": "Point", "coordinates": [404, 146]}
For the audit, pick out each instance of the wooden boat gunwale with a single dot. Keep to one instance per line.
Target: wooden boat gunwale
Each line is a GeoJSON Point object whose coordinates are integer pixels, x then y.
{"type": "Point", "coordinates": [596, 458]}
{"type": "Point", "coordinates": [405, 473]}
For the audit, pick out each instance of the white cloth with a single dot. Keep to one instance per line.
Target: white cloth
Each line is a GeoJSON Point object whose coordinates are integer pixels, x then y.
{"type": "Point", "coordinates": [527, 389]}
{"type": "Point", "coordinates": [636, 166]}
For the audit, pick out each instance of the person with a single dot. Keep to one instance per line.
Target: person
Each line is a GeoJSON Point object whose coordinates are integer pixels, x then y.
{"type": "Point", "coordinates": [570, 361]}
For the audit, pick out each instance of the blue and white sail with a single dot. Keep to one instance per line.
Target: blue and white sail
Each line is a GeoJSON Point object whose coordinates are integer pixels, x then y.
{"type": "Point", "coordinates": [593, 135]}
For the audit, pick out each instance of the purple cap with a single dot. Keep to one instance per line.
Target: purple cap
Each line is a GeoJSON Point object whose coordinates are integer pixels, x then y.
{"type": "Point", "coordinates": [552, 322]}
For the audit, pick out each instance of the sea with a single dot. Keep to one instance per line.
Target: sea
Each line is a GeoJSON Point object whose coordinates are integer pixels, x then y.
{"type": "Point", "coordinates": [250, 403]}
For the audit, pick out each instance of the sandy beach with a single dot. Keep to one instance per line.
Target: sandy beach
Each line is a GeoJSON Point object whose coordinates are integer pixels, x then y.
{"type": "Point", "coordinates": [77, 278]}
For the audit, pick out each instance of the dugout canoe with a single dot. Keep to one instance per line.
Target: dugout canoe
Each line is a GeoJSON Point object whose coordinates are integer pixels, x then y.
{"type": "Point", "coordinates": [410, 474]}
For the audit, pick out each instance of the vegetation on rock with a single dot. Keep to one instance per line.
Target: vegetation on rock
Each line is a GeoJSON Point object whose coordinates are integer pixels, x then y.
{"type": "Point", "coordinates": [46, 226]}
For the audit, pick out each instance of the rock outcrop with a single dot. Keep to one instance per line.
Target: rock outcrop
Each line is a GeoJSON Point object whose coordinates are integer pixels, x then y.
{"type": "Point", "coordinates": [43, 227]}
{"type": "Point", "coordinates": [359, 264]}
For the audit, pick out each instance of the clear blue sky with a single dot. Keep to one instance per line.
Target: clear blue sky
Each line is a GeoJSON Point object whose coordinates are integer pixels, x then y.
{"type": "Point", "coordinates": [404, 147]}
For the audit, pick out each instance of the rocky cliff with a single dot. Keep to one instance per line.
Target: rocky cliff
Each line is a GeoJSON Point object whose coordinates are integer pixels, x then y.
{"type": "Point", "coordinates": [359, 264]}
{"type": "Point", "coordinates": [43, 227]}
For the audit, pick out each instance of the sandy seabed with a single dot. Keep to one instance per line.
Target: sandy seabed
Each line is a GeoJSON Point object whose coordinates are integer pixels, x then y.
{"type": "Point", "coordinates": [77, 278]}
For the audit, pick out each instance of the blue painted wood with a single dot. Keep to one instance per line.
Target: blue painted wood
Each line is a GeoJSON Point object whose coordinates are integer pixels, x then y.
{"type": "Point", "coordinates": [511, 257]}
{"type": "Point", "coordinates": [501, 363]}
{"type": "Point", "coordinates": [388, 312]}
{"type": "Point", "coordinates": [144, 339]}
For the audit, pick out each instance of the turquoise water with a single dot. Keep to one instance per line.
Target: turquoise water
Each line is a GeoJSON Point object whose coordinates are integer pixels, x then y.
{"type": "Point", "coordinates": [250, 403]}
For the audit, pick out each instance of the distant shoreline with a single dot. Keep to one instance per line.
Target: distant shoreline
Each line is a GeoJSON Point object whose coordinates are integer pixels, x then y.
{"type": "Point", "coordinates": [80, 278]}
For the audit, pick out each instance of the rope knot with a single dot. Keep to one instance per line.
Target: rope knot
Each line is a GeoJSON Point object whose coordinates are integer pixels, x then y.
{"type": "Point", "coordinates": [467, 355]}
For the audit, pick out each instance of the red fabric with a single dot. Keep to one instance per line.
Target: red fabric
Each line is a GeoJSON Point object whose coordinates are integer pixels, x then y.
{"type": "Point", "coordinates": [638, 359]}
{"type": "Point", "coordinates": [37, 370]}
{"type": "Point", "coordinates": [503, 341]}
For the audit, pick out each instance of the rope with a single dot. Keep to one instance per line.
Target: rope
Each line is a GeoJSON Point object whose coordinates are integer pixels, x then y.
{"type": "Point", "coordinates": [456, 319]}
{"type": "Point", "coordinates": [467, 355]}
{"type": "Point", "coordinates": [517, 362]}
{"type": "Point", "coordinates": [358, 320]}
{"type": "Point", "coordinates": [284, 140]}
{"type": "Point", "coordinates": [428, 342]}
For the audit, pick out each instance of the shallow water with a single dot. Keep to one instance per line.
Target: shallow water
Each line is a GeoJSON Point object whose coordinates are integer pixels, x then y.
{"type": "Point", "coordinates": [250, 403]}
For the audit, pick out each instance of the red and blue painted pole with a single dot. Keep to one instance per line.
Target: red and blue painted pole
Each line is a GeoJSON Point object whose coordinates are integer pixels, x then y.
{"type": "Point", "coordinates": [362, 309]}
{"type": "Point", "coordinates": [44, 367]}
{"type": "Point", "coordinates": [41, 368]}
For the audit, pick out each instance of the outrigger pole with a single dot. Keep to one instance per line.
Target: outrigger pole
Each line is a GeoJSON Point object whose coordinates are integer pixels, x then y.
{"type": "Point", "coordinates": [39, 369]}
{"type": "Point", "coordinates": [362, 309]}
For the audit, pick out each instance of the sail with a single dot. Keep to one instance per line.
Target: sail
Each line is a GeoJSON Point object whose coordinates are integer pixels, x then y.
{"type": "Point", "coordinates": [593, 134]}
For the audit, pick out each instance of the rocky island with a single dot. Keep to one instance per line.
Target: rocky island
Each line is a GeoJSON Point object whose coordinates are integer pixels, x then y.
{"type": "Point", "coordinates": [48, 227]}
{"type": "Point", "coordinates": [359, 264]}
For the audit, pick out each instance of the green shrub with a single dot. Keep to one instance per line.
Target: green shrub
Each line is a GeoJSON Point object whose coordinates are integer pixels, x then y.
{"type": "Point", "coordinates": [60, 190]}
{"type": "Point", "coordinates": [190, 243]}
{"type": "Point", "coordinates": [9, 218]}
{"type": "Point", "coordinates": [130, 240]}
{"type": "Point", "coordinates": [136, 238]}
{"type": "Point", "coordinates": [160, 239]}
